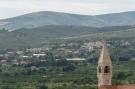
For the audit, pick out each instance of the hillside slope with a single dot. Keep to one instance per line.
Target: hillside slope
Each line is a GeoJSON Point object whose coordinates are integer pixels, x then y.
{"type": "Point", "coordinates": [43, 18]}
{"type": "Point", "coordinates": [118, 19]}
{"type": "Point", "coordinates": [42, 35]}
{"type": "Point", "coordinates": [49, 18]}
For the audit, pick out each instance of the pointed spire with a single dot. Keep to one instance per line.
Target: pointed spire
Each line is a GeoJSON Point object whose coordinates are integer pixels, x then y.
{"type": "Point", "coordinates": [104, 56]}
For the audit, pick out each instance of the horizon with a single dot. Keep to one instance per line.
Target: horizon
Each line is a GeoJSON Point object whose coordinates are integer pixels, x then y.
{"type": "Point", "coordinates": [9, 9]}
{"type": "Point", "coordinates": [65, 13]}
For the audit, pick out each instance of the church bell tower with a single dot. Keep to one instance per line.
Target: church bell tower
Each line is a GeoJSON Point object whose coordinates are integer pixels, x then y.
{"type": "Point", "coordinates": [104, 68]}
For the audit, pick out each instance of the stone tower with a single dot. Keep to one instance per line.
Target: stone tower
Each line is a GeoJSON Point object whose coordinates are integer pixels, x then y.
{"type": "Point", "coordinates": [104, 69]}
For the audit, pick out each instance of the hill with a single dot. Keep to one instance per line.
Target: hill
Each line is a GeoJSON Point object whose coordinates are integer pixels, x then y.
{"type": "Point", "coordinates": [118, 19]}
{"type": "Point", "coordinates": [41, 35]}
{"type": "Point", "coordinates": [43, 18]}
{"type": "Point", "coordinates": [49, 18]}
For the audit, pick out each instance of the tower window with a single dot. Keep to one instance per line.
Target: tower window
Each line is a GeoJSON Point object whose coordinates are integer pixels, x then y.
{"type": "Point", "coordinates": [106, 69]}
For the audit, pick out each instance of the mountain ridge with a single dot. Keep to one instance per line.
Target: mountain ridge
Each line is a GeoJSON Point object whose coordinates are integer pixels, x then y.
{"type": "Point", "coordinates": [43, 18]}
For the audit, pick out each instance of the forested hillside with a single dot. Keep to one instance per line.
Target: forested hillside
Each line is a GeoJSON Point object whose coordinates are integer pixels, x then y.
{"type": "Point", "coordinates": [43, 18]}
{"type": "Point", "coordinates": [41, 35]}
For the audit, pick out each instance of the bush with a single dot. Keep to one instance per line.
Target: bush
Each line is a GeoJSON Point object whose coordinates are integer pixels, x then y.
{"type": "Point", "coordinates": [42, 86]}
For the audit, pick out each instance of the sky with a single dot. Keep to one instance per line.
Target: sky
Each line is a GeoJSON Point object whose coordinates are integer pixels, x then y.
{"type": "Point", "coordinates": [12, 8]}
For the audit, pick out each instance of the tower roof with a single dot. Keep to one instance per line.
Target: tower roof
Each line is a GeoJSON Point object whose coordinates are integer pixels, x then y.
{"type": "Point", "coordinates": [104, 56]}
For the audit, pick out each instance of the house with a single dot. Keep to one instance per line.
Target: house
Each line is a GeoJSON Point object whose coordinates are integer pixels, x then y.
{"type": "Point", "coordinates": [104, 72]}
{"type": "Point", "coordinates": [15, 62]}
{"type": "Point", "coordinates": [77, 60]}
{"type": "Point", "coordinates": [35, 50]}
{"type": "Point", "coordinates": [39, 55]}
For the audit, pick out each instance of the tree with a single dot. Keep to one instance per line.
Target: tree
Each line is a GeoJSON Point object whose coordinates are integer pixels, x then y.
{"type": "Point", "coordinates": [42, 86]}
{"type": "Point", "coordinates": [7, 87]}
{"type": "Point", "coordinates": [50, 59]}
{"type": "Point", "coordinates": [69, 67]}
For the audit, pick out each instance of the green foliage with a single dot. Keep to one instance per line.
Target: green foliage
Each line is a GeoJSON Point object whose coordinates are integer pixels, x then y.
{"type": "Point", "coordinates": [69, 67]}
{"type": "Point", "coordinates": [53, 77]}
{"type": "Point", "coordinates": [42, 86]}
{"type": "Point", "coordinates": [54, 18]}
{"type": "Point", "coordinates": [3, 31]}
{"type": "Point", "coordinates": [56, 34]}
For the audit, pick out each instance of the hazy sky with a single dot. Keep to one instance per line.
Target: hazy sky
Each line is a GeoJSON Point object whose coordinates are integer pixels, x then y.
{"type": "Point", "coordinates": [11, 8]}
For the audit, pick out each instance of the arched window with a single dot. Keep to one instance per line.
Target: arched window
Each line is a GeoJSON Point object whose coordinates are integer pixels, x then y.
{"type": "Point", "coordinates": [106, 69]}
{"type": "Point", "coordinates": [99, 69]}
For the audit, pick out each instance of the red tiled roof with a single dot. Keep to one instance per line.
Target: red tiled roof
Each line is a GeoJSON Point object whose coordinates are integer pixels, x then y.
{"type": "Point", "coordinates": [118, 87]}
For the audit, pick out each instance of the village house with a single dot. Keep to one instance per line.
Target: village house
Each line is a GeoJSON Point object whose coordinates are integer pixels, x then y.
{"type": "Point", "coordinates": [77, 60]}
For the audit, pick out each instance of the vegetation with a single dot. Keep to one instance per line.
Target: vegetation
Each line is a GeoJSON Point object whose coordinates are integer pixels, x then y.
{"type": "Point", "coordinates": [44, 18]}
{"type": "Point", "coordinates": [56, 34]}
{"type": "Point", "coordinates": [53, 77]}
{"type": "Point", "coordinates": [62, 74]}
